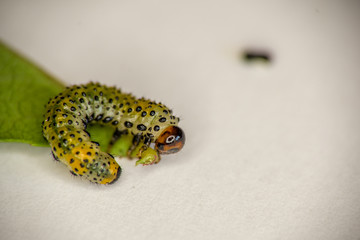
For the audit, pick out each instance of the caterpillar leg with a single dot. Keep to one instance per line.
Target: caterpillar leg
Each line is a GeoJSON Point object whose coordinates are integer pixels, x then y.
{"type": "Point", "coordinates": [55, 157]}
{"type": "Point", "coordinates": [141, 149]}
{"type": "Point", "coordinates": [133, 147]}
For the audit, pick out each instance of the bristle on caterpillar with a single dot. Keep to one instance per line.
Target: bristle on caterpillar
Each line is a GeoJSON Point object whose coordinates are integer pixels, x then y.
{"type": "Point", "coordinates": [68, 114]}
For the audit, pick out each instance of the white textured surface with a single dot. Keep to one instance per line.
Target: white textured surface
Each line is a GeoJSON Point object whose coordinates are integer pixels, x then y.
{"type": "Point", "coordinates": [271, 153]}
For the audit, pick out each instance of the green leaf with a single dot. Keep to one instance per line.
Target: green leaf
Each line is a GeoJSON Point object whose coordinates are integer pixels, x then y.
{"type": "Point", "coordinates": [24, 91]}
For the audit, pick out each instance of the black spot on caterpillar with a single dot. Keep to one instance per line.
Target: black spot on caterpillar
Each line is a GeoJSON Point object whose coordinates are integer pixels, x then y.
{"type": "Point", "coordinates": [68, 114]}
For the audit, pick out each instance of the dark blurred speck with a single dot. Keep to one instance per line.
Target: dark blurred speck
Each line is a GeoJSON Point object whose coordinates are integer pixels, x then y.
{"type": "Point", "coordinates": [256, 56]}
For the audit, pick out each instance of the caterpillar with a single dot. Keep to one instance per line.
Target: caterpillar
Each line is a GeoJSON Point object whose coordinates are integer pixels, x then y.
{"type": "Point", "coordinates": [150, 126]}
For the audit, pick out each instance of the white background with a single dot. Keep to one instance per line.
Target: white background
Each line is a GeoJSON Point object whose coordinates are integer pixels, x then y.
{"type": "Point", "coordinates": [272, 151]}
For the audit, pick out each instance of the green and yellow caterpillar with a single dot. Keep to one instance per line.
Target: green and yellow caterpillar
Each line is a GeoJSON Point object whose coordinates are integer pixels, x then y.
{"type": "Point", "coordinates": [143, 121]}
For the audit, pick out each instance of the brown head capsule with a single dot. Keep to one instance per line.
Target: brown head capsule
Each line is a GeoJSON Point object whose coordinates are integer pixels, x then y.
{"type": "Point", "coordinates": [171, 140]}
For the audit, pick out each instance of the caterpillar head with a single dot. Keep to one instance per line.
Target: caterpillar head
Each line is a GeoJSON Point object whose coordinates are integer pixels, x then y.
{"type": "Point", "coordinates": [171, 140]}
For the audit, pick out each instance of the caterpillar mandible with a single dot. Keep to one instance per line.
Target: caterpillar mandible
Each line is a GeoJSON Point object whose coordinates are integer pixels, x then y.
{"type": "Point", "coordinates": [144, 121]}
